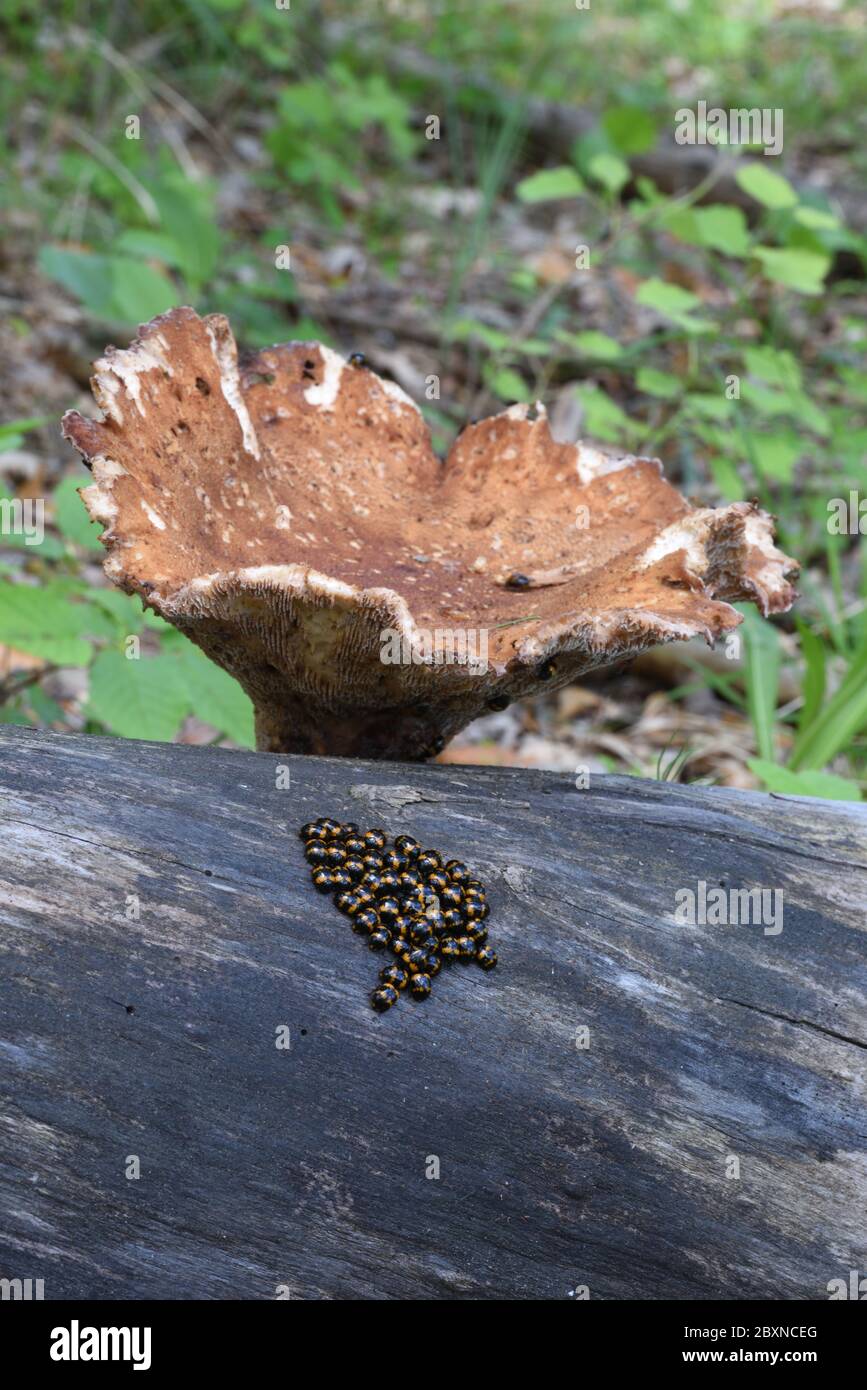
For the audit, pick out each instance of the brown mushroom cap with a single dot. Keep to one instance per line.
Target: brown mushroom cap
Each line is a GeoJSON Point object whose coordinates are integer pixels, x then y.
{"type": "Point", "coordinates": [285, 514]}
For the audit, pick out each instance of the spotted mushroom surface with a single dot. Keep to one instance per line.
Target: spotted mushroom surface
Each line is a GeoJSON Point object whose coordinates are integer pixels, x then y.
{"type": "Point", "coordinates": [287, 512]}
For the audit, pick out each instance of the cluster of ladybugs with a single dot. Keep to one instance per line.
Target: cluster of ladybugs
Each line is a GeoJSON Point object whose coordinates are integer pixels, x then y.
{"type": "Point", "coordinates": [405, 900]}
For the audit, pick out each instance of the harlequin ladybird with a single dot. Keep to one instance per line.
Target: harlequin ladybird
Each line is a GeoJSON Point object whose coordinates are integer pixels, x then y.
{"type": "Point", "coordinates": [383, 997]}
{"type": "Point", "coordinates": [393, 861]}
{"type": "Point", "coordinates": [379, 940]}
{"type": "Point", "coordinates": [434, 919]}
{"type": "Point", "coordinates": [451, 896]}
{"type": "Point", "coordinates": [374, 839]}
{"type": "Point", "coordinates": [364, 921]}
{"type": "Point", "coordinates": [340, 880]}
{"type": "Point", "coordinates": [364, 896]}
{"type": "Point", "coordinates": [389, 884]}
{"type": "Point", "coordinates": [437, 881]}
{"type": "Point", "coordinates": [477, 932]}
{"type": "Point", "coordinates": [371, 880]}
{"type": "Point", "coordinates": [322, 880]}
{"type": "Point", "coordinates": [409, 880]}
{"type": "Point", "coordinates": [394, 975]}
{"type": "Point", "coordinates": [313, 831]}
{"type": "Point", "coordinates": [336, 855]}
{"type": "Point", "coordinates": [472, 885]}
{"type": "Point", "coordinates": [405, 844]}
{"type": "Point", "coordinates": [316, 853]}
{"type": "Point", "coordinates": [400, 948]}
{"type": "Point", "coordinates": [546, 670]}
{"type": "Point", "coordinates": [372, 862]}
{"type": "Point", "coordinates": [466, 948]}
{"type": "Point", "coordinates": [357, 359]}
{"type": "Point", "coordinates": [474, 910]}
{"type": "Point", "coordinates": [332, 828]}
{"type": "Point", "coordinates": [458, 872]}
{"type": "Point", "coordinates": [346, 901]}
{"type": "Point", "coordinates": [518, 581]}
{"type": "Point", "coordinates": [417, 959]}
{"type": "Point", "coordinates": [348, 831]}
{"type": "Point", "coordinates": [430, 944]}
{"type": "Point", "coordinates": [354, 868]}
{"type": "Point", "coordinates": [486, 957]}
{"type": "Point", "coordinates": [453, 921]}
{"type": "Point", "coordinates": [389, 910]}
{"type": "Point", "coordinates": [400, 927]}
{"type": "Point", "coordinates": [420, 985]}
{"type": "Point", "coordinates": [428, 862]}
{"type": "Point", "coordinates": [355, 847]}
{"type": "Point", "coordinates": [434, 964]}
{"type": "Point", "coordinates": [418, 930]}
{"type": "Point", "coordinates": [449, 949]}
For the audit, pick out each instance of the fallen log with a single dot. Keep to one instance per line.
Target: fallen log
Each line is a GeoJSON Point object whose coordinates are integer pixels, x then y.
{"type": "Point", "coordinates": [198, 1101]}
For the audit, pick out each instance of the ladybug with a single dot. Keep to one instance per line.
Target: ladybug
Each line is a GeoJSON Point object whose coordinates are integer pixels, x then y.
{"type": "Point", "coordinates": [332, 828]}
{"type": "Point", "coordinates": [364, 896]}
{"type": "Point", "coordinates": [428, 862]}
{"type": "Point", "coordinates": [434, 964]}
{"type": "Point", "coordinates": [394, 975]}
{"type": "Point", "coordinates": [449, 949]}
{"type": "Point", "coordinates": [355, 847]}
{"type": "Point", "coordinates": [383, 997]}
{"type": "Point", "coordinates": [336, 855]}
{"type": "Point", "coordinates": [486, 957]}
{"type": "Point", "coordinates": [419, 985]}
{"type": "Point", "coordinates": [437, 881]}
{"type": "Point", "coordinates": [466, 948]}
{"type": "Point", "coordinates": [394, 862]}
{"type": "Point", "coordinates": [400, 948]}
{"type": "Point", "coordinates": [340, 880]}
{"type": "Point", "coordinates": [379, 940]}
{"type": "Point", "coordinates": [419, 930]}
{"type": "Point", "coordinates": [322, 880]}
{"type": "Point", "coordinates": [517, 581]}
{"type": "Point", "coordinates": [371, 880]}
{"type": "Point", "coordinates": [453, 921]}
{"type": "Point", "coordinates": [364, 921]}
{"type": "Point", "coordinates": [546, 670]}
{"type": "Point", "coordinates": [434, 919]}
{"type": "Point", "coordinates": [429, 944]}
{"type": "Point", "coordinates": [372, 862]}
{"type": "Point", "coordinates": [475, 910]}
{"type": "Point", "coordinates": [414, 904]}
{"type": "Point", "coordinates": [354, 868]}
{"type": "Point", "coordinates": [472, 885]}
{"type": "Point", "coordinates": [417, 960]}
{"type": "Point", "coordinates": [389, 883]}
{"type": "Point", "coordinates": [451, 896]}
{"type": "Point", "coordinates": [409, 880]}
{"type": "Point", "coordinates": [346, 901]}
{"type": "Point", "coordinates": [374, 839]}
{"type": "Point", "coordinates": [312, 831]}
{"type": "Point", "coordinates": [477, 932]}
{"type": "Point", "coordinates": [389, 910]}
{"type": "Point", "coordinates": [458, 872]}
{"type": "Point", "coordinates": [405, 844]}
{"type": "Point", "coordinates": [316, 853]}
{"type": "Point", "coordinates": [349, 830]}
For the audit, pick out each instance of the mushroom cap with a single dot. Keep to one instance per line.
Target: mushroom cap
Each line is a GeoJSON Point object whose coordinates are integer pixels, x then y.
{"type": "Point", "coordinates": [288, 512]}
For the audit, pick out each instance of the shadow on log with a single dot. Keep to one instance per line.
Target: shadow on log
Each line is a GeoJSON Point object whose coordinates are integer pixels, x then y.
{"type": "Point", "coordinates": [158, 929]}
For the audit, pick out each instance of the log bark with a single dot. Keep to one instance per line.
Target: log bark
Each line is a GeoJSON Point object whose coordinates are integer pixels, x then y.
{"type": "Point", "coordinates": [158, 927]}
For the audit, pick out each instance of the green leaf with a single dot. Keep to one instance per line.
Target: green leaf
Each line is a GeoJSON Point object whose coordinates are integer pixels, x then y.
{"type": "Point", "coordinates": [139, 292]}
{"type": "Point", "coordinates": [44, 622]}
{"type": "Point", "coordinates": [630, 129]}
{"type": "Point", "coordinates": [116, 288]}
{"type": "Point", "coordinates": [761, 676]}
{"type": "Point", "coordinates": [674, 302]}
{"type": "Point", "coordinates": [656, 383]}
{"type": "Point", "coordinates": [838, 721]}
{"type": "Point", "coordinates": [548, 184]}
{"type": "Point", "coordinates": [215, 696]}
{"type": "Point", "coordinates": [603, 417]}
{"type": "Point", "coordinates": [803, 271]}
{"type": "Point", "coordinates": [593, 345]}
{"type": "Point", "coordinates": [813, 686]}
{"type": "Point", "coordinates": [777, 366]}
{"type": "Point", "coordinates": [71, 515]}
{"type": "Point", "coordinates": [509, 385]}
{"type": "Point", "coordinates": [723, 229]}
{"type": "Point", "coordinates": [708, 405]}
{"type": "Point", "coordinates": [817, 219]}
{"type": "Point", "coordinates": [145, 698]}
{"type": "Point", "coordinates": [767, 187]}
{"type": "Point", "coordinates": [825, 784]}
{"type": "Point", "coordinates": [609, 170]}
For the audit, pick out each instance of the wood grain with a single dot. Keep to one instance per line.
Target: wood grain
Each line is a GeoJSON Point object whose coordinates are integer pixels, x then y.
{"type": "Point", "coordinates": [302, 1170]}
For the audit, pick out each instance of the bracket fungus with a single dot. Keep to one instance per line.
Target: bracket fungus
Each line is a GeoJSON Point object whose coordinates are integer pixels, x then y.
{"type": "Point", "coordinates": [290, 516]}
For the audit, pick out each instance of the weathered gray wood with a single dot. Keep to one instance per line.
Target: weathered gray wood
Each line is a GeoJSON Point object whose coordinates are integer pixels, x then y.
{"type": "Point", "coordinates": [305, 1168]}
